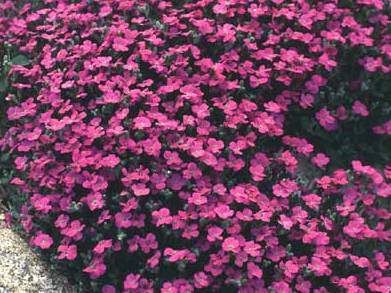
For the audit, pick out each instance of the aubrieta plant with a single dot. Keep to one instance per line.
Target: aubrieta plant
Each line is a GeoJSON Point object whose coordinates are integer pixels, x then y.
{"type": "Point", "coordinates": [203, 146]}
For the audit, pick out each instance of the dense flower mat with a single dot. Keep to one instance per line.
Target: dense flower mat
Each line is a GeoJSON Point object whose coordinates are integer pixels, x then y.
{"type": "Point", "coordinates": [207, 146]}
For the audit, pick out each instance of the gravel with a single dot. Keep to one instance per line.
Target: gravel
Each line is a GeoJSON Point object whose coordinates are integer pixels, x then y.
{"type": "Point", "coordinates": [22, 271]}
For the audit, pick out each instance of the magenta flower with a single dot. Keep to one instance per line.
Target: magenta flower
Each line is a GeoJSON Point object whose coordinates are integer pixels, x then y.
{"type": "Point", "coordinates": [286, 222]}
{"type": "Point", "coordinates": [123, 220]}
{"type": "Point", "coordinates": [201, 280]}
{"type": "Point", "coordinates": [142, 122]}
{"type": "Point", "coordinates": [319, 267]}
{"type": "Point", "coordinates": [320, 160]}
{"type": "Point", "coordinates": [95, 201]}
{"type": "Point", "coordinates": [257, 172]}
{"type": "Point", "coordinates": [326, 120]}
{"type": "Point", "coordinates": [132, 281]}
{"type": "Point", "coordinates": [140, 189]}
{"type": "Point", "coordinates": [74, 230]}
{"type": "Point", "coordinates": [312, 200]}
{"type": "Point", "coordinates": [214, 233]}
{"type": "Point", "coordinates": [68, 252]}
{"type": "Point", "coordinates": [108, 289]}
{"type": "Point", "coordinates": [360, 109]}
{"type": "Point", "coordinates": [251, 248]}
{"type": "Point", "coordinates": [224, 212]}
{"type": "Point", "coordinates": [43, 241]}
{"type": "Point", "coordinates": [110, 161]}
{"type": "Point", "coordinates": [162, 216]}
{"type": "Point", "coordinates": [284, 188]}
{"type": "Point", "coordinates": [231, 244]}
{"type": "Point", "coordinates": [254, 271]}
{"type": "Point", "coordinates": [96, 269]}
{"type": "Point", "coordinates": [102, 246]}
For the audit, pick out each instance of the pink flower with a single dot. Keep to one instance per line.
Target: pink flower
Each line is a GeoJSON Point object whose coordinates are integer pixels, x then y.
{"type": "Point", "coordinates": [317, 238]}
{"type": "Point", "coordinates": [257, 172]}
{"type": "Point", "coordinates": [20, 163]}
{"type": "Point", "coordinates": [110, 161]}
{"type": "Point", "coordinates": [148, 243]}
{"type": "Point", "coordinates": [35, 134]}
{"type": "Point", "coordinates": [102, 61]}
{"type": "Point", "coordinates": [290, 268]}
{"type": "Point", "coordinates": [201, 111]}
{"type": "Point", "coordinates": [112, 97]}
{"type": "Point", "coordinates": [254, 271]}
{"type": "Point", "coordinates": [204, 26]}
{"type": "Point", "coordinates": [361, 262]}
{"type": "Point", "coordinates": [325, 60]}
{"type": "Point", "coordinates": [326, 120]}
{"type": "Point", "coordinates": [62, 221]}
{"type": "Point", "coordinates": [154, 260]}
{"type": "Point", "coordinates": [276, 253]}
{"type": "Point", "coordinates": [223, 211]}
{"type": "Point", "coordinates": [252, 248]}
{"type": "Point", "coordinates": [162, 217]}
{"type": "Point", "coordinates": [246, 215]}
{"type": "Point", "coordinates": [74, 230]}
{"type": "Point", "coordinates": [303, 286]}
{"type": "Point", "coordinates": [341, 113]}
{"type": "Point", "coordinates": [43, 241]}
{"type": "Point", "coordinates": [215, 146]}
{"type": "Point", "coordinates": [68, 252]}
{"type": "Point", "coordinates": [96, 269]}
{"type": "Point", "coordinates": [285, 188]}
{"type": "Point", "coordinates": [41, 204]}
{"type": "Point", "coordinates": [360, 109]}
{"type": "Point", "coordinates": [108, 289]}
{"type": "Point", "coordinates": [132, 281]}
{"type": "Point", "coordinates": [105, 10]}
{"type": "Point", "coordinates": [320, 160]}
{"type": "Point", "coordinates": [381, 261]}
{"type": "Point", "coordinates": [172, 158]}
{"type": "Point", "coordinates": [176, 182]}
{"type": "Point", "coordinates": [214, 233]}
{"type": "Point", "coordinates": [140, 189]}
{"type": "Point", "coordinates": [142, 122]}
{"type": "Point", "coordinates": [176, 255]}
{"type": "Point", "coordinates": [197, 198]}
{"type": "Point", "coordinates": [286, 222]}
{"type": "Point", "coordinates": [27, 108]}
{"type": "Point", "coordinates": [102, 246]}
{"type": "Point", "coordinates": [281, 286]}
{"type": "Point", "coordinates": [123, 220]}
{"type": "Point", "coordinates": [121, 44]}
{"type": "Point", "coordinates": [95, 201]}
{"type": "Point", "coordinates": [226, 33]}
{"type": "Point", "coordinates": [312, 200]}
{"type": "Point", "coordinates": [201, 280]}
{"type": "Point", "coordinates": [208, 159]}
{"type": "Point", "coordinates": [319, 267]}
{"type": "Point", "coordinates": [159, 181]}
{"type": "Point", "coordinates": [231, 244]}
{"type": "Point", "coordinates": [220, 9]}
{"type": "Point", "coordinates": [355, 227]}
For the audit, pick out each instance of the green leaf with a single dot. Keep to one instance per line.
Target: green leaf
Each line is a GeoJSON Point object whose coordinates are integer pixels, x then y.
{"type": "Point", "coordinates": [3, 84]}
{"type": "Point", "coordinates": [20, 60]}
{"type": "Point", "coordinates": [5, 157]}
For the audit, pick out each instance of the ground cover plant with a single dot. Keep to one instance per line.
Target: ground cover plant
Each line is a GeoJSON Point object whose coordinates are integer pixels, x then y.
{"type": "Point", "coordinates": [201, 146]}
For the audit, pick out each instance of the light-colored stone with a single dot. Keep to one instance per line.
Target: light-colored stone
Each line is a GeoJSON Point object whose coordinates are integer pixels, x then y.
{"type": "Point", "coordinates": [22, 271]}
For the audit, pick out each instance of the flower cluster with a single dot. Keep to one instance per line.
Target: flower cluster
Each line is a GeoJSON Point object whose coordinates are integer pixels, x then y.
{"type": "Point", "coordinates": [177, 146]}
